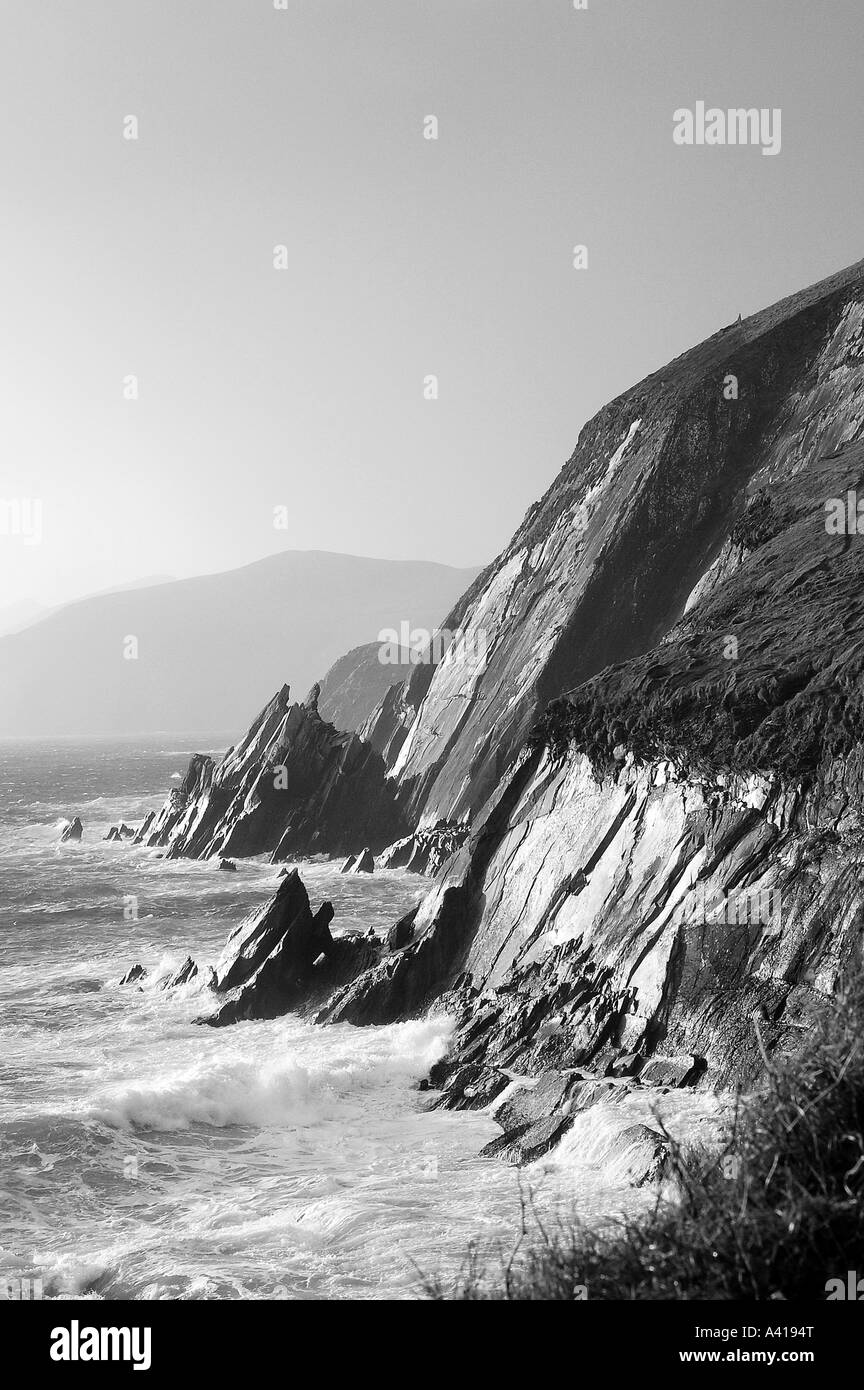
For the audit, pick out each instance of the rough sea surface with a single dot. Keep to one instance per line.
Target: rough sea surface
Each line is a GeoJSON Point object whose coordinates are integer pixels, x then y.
{"type": "Point", "coordinates": [144, 1156]}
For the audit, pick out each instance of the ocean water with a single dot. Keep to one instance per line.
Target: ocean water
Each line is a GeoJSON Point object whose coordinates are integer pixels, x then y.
{"type": "Point", "coordinates": [143, 1156]}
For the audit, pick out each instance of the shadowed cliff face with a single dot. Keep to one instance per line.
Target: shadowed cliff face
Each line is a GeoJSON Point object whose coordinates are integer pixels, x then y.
{"type": "Point", "coordinates": [603, 565]}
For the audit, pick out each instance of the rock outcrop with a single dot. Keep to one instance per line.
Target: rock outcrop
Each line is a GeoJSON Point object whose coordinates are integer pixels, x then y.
{"type": "Point", "coordinates": [426, 851]}
{"type": "Point", "coordinates": [72, 832]}
{"type": "Point", "coordinates": [294, 786]}
{"type": "Point", "coordinates": [284, 957]}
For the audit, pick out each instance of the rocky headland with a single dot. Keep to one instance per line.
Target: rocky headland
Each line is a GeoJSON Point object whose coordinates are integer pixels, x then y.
{"type": "Point", "coordinates": [642, 813]}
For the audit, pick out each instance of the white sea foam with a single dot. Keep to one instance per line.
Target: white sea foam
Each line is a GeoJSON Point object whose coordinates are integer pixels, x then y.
{"type": "Point", "coordinates": [253, 1087]}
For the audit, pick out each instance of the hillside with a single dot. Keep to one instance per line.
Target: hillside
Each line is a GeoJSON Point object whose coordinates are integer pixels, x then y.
{"type": "Point", "coordinates": [210, 648]}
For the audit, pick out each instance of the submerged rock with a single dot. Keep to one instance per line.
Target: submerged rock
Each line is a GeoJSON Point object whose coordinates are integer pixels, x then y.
{"type": "Point", "coordinates": [227, 866]}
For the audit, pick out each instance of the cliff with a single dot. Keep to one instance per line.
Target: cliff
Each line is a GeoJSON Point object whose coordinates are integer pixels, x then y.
{"type": "Point", "coordinates": [658, 764]}
{"type": "Point", "coordinates": [602, 566]}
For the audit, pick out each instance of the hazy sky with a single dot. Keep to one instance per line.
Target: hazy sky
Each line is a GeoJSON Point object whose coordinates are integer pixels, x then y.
{"type": "Point", "coordinates": [303, 387]}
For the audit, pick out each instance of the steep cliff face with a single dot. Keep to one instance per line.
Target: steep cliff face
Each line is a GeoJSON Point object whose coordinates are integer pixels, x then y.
{"type": "Point", "coordinates": [676, 863]}
{"type": "Point", "coordinates": [602, 567]}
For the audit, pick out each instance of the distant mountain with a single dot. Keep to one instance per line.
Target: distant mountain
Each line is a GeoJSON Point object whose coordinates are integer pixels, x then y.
{"type": "Point", "coordinates": [356, 684]}
{"type": "Point", "coordinates": [14, 616]}
{"type": "Point", "coordinates": [209, 648]}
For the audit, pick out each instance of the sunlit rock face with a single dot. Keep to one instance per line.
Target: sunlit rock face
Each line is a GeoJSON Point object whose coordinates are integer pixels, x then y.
{"type": "Point", "coordinates": [603, 565]}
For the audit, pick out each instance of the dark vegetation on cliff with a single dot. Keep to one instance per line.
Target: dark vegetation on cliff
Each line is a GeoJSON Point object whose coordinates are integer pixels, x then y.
{"type": "Point", "coordinates": [778, 1214]}
{"type": "Point", "coordinates": [792, 615]}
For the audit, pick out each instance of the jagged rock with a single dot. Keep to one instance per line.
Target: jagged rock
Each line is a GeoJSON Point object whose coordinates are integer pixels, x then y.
{"type": "Point", "coordinates": [400, 934]}
{"type": "Point", "coordinates": [227, 866]}
{"type": "Point", "coordinates": [73, 831]}
{"type": "Point", "coordinates": [425, 851]}
{"type": "Point", "coordinates": [349, 864]}
{"type": "Point", "coordinates": [126, 831]}
{"type": "Point", "coordinates": [284, 957]}
{"type": "Point", "coordinates": [188, 970]}
{"type": "Point", "coordinates": [113, 833]}
{"type": "Point", "coordinates": [365, 864]}
{"type": "Point", "coordinates": [293, 786]}
{"type": "Point", "coordinates": [135, 972]}
{"type": "Point", "coordinates": [664, 765]}
{"type": "Point", "coordinates": [473, 1087]}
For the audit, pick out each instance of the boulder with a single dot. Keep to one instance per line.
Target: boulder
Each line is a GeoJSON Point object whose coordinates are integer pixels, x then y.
{"type": "Point", "coordinates": [532, 1103]}
{"type": "Point", "coordinates": [530, 1141]}
{"type": "Point", "coordinates": [473, 1088]}
{"type": "Point", "coordinates": [403, 932]}
{"type": "Point", "coordinates": [682, 1069]}
{"type": "Point", "coordinates": [638, 1155]}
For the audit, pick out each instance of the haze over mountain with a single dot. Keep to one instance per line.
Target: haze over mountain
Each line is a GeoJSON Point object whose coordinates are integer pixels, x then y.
{"type": "Point", "coordinates": [212, 647]}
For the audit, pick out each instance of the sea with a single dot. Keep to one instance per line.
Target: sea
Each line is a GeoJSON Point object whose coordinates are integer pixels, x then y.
{"type": "Point", "coordinates": [143, 1156]}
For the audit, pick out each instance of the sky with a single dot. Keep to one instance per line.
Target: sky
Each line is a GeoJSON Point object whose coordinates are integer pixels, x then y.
{"type": "Point", "coordinates": [298, 394]}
